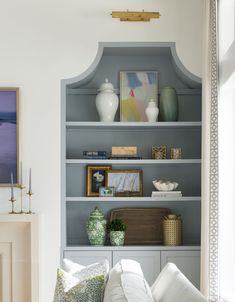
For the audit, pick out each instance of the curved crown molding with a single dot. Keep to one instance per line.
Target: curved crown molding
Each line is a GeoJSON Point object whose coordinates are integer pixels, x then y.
{"type": "Point", "coordinates": [149, 47]}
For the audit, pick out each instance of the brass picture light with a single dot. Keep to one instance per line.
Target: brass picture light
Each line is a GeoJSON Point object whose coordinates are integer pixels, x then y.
{"type": "Point", "coordinates": [135, 16]}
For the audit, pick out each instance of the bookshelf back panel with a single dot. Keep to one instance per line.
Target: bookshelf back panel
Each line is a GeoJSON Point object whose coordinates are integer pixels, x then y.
{"type": "Point", "coordinates": [78, 213]}
{"type": "Point", "coordinates": [79, 140]}
{"type": "Point", "coordinates": [188, 177]}
{"type": "Point", "coordinates": [83, 108]}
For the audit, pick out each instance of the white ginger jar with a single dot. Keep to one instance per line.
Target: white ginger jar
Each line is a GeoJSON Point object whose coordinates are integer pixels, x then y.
{"type": "Point", "coordinates": [107, 102]}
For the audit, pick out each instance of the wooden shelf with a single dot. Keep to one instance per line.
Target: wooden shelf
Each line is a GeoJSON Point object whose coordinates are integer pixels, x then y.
{"type": "Point", "coordinates": [136, 125]}
{"type": "Point", "coordinates": [134, 161]}
{"type": "Point", "coordinates": [134, 199]}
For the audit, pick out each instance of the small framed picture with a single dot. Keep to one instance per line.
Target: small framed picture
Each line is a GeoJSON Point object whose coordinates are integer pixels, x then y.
{"type": "Point", "coordinates": [106, 191]}
{"type": "Point", "coordinates": [136, 89]}
{"type": "Point", "coordinates": [96, 178]}
{"type": "Point", "coordinates": [158, 152]}
{"type": "Point", "coordinates": [176, 153]}
{"type": "Point", "coordinates": [125, 182]}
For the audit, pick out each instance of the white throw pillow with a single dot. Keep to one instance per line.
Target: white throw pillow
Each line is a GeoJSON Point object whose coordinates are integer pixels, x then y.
{"type": "Point", "coordinates": [172, 286]}
{"type": "Point", "coordinates": [71, 267]}
{"type": "Point", "coordinates": [126, 283]}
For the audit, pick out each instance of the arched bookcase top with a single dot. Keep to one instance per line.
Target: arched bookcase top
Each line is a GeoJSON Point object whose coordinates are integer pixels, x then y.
{"type": "Point", "coordinates": [116, 56]}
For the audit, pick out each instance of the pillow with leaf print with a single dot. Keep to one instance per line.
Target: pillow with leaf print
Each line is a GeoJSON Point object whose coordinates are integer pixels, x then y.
{"type": "Point", "coordinates": [85, 285]}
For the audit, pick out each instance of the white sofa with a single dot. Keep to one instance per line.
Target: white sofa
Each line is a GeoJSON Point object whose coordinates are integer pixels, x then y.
{"type": "Point", "coordinates": [124, 283]}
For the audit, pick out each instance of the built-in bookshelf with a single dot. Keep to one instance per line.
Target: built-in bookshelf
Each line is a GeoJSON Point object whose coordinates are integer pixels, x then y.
{"type": "Point", "coordinates": [81, 130]}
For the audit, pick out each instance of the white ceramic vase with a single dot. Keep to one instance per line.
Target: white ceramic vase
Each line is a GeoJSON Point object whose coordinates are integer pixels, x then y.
{"type": "Point", "coordinates": [107, 102]}
{"type": "Point", "coordinates": [152, 111]}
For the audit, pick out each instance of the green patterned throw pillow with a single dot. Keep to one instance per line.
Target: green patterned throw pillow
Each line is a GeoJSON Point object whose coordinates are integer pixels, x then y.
{"type": "Point", "coordinates": [71, 289]}
{"type": "Point", "coordinates": [80, 283]}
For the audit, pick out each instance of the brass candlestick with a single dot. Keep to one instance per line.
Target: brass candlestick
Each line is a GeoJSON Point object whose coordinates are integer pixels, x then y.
{"type": "Point", "coordinates": [21, 199]}
{"type": "Point", "coordinates": [12, 200]}
{"type": "Point", "coordinates": [30, 202]}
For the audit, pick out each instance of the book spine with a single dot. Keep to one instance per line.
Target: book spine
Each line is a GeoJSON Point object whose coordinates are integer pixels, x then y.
{"type": "Point", "coordinates": [125, 157]}
{"type": "Point", "coordinates": [94, 153]}
{"type": "Point", "coordinates": [166, 195]}
{"type": "Point", "coordinates": [94, 157]}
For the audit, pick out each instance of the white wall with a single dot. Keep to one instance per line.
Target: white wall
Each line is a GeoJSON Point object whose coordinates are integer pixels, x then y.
{"type": "Point", "coordinates": [45, 41]}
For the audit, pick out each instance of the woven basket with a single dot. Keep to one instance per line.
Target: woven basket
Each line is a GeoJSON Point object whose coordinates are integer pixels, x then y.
{"type": "Point", "coordinates": [172, 230]}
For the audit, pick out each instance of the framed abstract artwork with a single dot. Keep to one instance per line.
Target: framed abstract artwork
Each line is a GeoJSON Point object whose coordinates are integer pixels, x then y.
{"type": "Point", "coordinates": [9, 135]}
{"type": "Point", "coordinates": [137, 88]}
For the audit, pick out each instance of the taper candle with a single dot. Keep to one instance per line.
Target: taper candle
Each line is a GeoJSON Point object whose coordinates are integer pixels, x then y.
{"type": "Point", "coordinates": [21, 174]}
{"type": "Point", "coordinates": [12, 183]}
{"type": "Point", "coordinates": [30, 181]}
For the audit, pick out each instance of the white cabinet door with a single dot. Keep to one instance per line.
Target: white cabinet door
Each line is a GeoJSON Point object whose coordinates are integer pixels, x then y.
{"type": "Point", "coordinates": [88, 257]}
{"type": "Point", "coordinates": [187, 261]}
{"type": "Point", "coordinates": [149, 261]}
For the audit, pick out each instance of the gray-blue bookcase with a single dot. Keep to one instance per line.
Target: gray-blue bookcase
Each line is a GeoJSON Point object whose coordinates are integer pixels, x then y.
{"type": "Point", "coordinates": [81, 130]}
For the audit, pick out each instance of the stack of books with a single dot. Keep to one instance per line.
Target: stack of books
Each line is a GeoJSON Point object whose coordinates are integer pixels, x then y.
{"type": "Point", "coordinates": [124, 152]}
{"type": "Point", "coordinates": [167, 194]}
{"type": "Point", "coordinates": [94, 155]}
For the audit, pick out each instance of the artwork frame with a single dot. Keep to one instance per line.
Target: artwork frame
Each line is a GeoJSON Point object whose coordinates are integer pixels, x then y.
{"type": "Point", "coordinates": [176, 153]}
{"type": "Point", "coordinates": [9, 133]}
{"type": "Point", "coordinates": [92, 185]}
{"type": "Point", "coordinates": [159, 152]}
{"type": "Point", "coordinates": [116, 179]}
{"type": "Point", "coordinates": [106, 191]}
{"type": "Point", "coordinates": [137, 88]}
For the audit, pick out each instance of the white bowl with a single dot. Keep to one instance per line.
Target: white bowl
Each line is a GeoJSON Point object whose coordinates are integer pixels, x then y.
{"type": "Point", "coordinates": [165, 185]}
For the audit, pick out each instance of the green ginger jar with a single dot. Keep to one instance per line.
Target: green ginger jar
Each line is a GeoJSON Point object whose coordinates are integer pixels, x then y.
{"type": "Point", "coordinates": [168, 106]}
{"type": "Point", "coordinates": [96, 227]}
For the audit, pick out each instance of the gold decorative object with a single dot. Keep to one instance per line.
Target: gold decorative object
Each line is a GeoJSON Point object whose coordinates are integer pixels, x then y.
{"type": "Point", "coordinates": [172, 230]}
{"type": "Point", "coordinates": [176, 153]}
{"type": "Point", "coordinates": [135, 16]}
{"type": "Point", "coordinates": [124, 151]}
{"type": "Point", "coordinates": [21, 199]}
{"type": "Point", "coordinates": [159, 152]}
{"type": "Point", "coordinates": [30, 203]}
{"type": "Point", "coordinates": [12, 200]}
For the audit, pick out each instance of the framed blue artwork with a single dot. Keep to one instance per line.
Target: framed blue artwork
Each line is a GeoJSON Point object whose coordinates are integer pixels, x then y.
{"type": "Point", "coordinates": [9, 135]}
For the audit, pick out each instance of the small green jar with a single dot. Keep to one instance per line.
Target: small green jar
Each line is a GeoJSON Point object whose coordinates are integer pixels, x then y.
{"type": "Point", "coordinates": [96, 227]}
{"type": "Point", "coordinates": [168, 104]}
{"type": "Point", "coordinates": [117, 238]}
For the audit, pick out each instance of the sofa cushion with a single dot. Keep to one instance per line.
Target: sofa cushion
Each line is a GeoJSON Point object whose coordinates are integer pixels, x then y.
{"type": "Point", "coordinates": [84, 284]}
{"type": "Point", "coordinates": [172, 286]}
{"type": "Point", "coordinates": [126, 283]}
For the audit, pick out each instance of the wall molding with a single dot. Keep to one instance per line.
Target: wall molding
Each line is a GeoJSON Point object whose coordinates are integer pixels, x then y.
{"type": "Point", "coordinates": [214, 173]}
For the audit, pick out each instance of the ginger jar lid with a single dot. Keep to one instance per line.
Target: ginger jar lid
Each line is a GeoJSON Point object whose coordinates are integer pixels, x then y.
{"type": "Point", "coordinates": [106, 86]}
{"type": "Point", "coordinates": [97, 213]}
{"type": "Point", "coordinates": [152, 103]}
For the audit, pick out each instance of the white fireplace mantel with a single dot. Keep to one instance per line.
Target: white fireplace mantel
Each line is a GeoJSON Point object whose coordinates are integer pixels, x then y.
{"type": "Point", "coordinates": [19, 258]}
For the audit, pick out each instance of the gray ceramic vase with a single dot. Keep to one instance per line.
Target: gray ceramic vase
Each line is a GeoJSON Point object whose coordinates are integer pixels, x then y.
{"type": "Point", "coordinates": [117, 238]}
{"type": "Point", "coordinates": [168, 104]}
{"type": "Point", "coordinates": [96, 227]}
